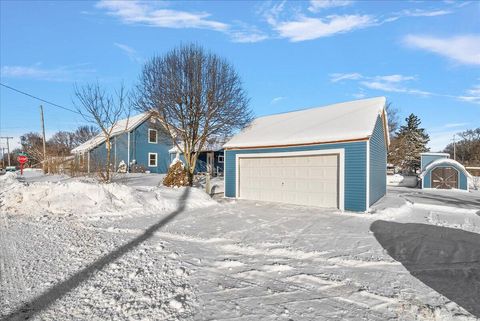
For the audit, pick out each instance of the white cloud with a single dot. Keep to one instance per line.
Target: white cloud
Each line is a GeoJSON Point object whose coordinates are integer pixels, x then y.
{"type": "Point", "coordinates": [471, 95]}
{"type": "Point", "coordinates": [317, 5]}
{"type": "Point", "coordinates": [129, 51]}
{"type": "Point", "coordinates": [277, 99]}
{"type": "Point", "coordinates": [144, 13]}
{"type": "Point", "coordinates": [394, 78]}
{"type": "Point", "coordinates": [452, 125]}
{"type": "Point", "coordinates": [336, 77]}
{"type": "Point", "coordinates": [462, 49]}
{"type": "Point", "coordinates": [245, 33]}
{"type": "Point", "coordinates": [387, 83]}
{"type": "Point", "coordinates": [424, 13]}
{"type": "Point", "coordinates": [305, 28]}
{"type": "Point", "coordinates": [62, 73]}
{"type": "Point", "coordinates": [150, 14]}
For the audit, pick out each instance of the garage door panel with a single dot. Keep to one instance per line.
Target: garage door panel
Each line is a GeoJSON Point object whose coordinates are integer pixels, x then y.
{"type": "Point", "coordinates": [304, 180]}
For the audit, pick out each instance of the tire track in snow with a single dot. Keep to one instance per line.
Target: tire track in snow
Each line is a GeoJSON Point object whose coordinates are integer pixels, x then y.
{"type": "Point", "coordinates": [11, 273]}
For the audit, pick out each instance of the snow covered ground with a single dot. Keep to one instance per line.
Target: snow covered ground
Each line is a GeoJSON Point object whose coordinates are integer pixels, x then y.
{"type": "Point", "coordinates": [75, 250]}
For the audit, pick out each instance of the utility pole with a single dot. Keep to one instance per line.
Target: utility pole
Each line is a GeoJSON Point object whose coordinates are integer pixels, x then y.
{"type": "Point", "coordinates": [44, 146]}
{"type": "Point", "coordinates": [8, 147]}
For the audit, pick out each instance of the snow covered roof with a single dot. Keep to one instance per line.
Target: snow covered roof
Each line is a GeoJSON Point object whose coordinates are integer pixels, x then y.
{"type": "Point", "coordinates": [444, 161]}
{"type": "Point", "coordinates": [207, 147]}
{"type": "Point", "coordinates": [122, 126]}
{"type": "Point", "coordinates": [435, 154]}
{"type": "Point", "coordinates": [343, 121]}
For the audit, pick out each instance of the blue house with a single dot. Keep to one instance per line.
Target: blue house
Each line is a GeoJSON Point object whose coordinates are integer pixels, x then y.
{"type": "Point", "coordinates": [143, 144]}
{"type": "Point", "coordinates": [441, 172]}
{"type": "Point", "coordinates": [333, 156]}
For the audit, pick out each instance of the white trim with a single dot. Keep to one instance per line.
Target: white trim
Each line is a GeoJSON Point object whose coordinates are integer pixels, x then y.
{"type": "Point", "coordinates": [128, 152]}
{"type": "Point", "coordinates": [156, 159]}
{"type": "Point", "coordinates": [223, 159]}
{"type": "Point", "coordinates": [156, 136]}
{"type": "Point", "coordinates": [341, 165]}
{"type": "Point", "coordinates": [367, 198]}
{"type": "Point", "coordinates": [435, 154]}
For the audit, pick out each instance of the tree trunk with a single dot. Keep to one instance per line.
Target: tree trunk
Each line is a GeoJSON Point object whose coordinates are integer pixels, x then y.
{"type": "Point", "coordinates": [107, 169]}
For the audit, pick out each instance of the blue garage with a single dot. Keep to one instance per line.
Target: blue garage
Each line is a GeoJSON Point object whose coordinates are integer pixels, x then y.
{"type": "Point", "coordinates": [333, 156]}
{"type": "Point", "coordinates": [441, 172]}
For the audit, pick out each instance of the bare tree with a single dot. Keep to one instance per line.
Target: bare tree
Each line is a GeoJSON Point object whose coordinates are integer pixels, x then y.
{"type": "Point", "coordinates": [196, 94]}
{"type": "Point", "coordinates": [393, 120]}
{"type": "Point", "coordinates": [83, 134]}
{"type": "Point", "coordinates": [104, 110]}
{"type": "Point", "coordinates": [61, 143]}
{"type": "Point", "coordinates": [32, 144]}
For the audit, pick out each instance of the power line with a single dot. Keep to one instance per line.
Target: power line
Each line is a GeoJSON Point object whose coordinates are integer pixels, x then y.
{"type": "Point", "coordinates": [43, 100]}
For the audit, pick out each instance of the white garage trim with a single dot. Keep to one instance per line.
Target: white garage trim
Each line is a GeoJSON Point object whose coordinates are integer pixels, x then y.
{"type": "Point", "coordinates": [339, 151]}
{"type": "Point", "coordinates": [367, 189]}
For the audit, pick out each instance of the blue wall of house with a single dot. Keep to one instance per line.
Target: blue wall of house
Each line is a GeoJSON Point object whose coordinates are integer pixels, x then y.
{"type": "Point", "coordinates": [378, 163]}
{"type": "Point", "coordinates": [201, 165]}
{"type": "Point", "coordinates": [355, 170]}
{"type": "Point", "coordinates": [462, 178]}
{"type": "Point", "coordinates": [427, 159]}
{"type": "Point", "coordinates": [140, 147]}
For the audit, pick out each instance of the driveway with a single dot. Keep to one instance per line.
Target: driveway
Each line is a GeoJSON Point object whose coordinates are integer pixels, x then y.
{"type": "Point", "coordinates": [243, 260]}
{"type": "Point", "coordinates": [452, 198]}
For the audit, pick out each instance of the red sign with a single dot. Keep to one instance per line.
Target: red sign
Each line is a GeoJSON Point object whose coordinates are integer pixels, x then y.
{"type": "Point", "coordinates": [22, 159]}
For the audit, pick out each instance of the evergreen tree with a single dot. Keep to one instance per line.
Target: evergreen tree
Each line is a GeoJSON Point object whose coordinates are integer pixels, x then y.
{"type": "Point", "coordinates": [411, 140]}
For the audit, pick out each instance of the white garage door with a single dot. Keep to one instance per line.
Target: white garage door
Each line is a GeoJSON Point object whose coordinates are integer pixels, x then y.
{"type": "Point", "coordinates": [304, 180]}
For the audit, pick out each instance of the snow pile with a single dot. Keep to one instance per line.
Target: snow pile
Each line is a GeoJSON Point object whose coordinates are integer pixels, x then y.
{"type": "Point", "coordinates": [400, 180]}
{"type": "Point", "coordinates": [76, 197]}
{"type": "Point", "coordinates": [7, 180]}
{"type": "Point", "coordinates": [474, 182]}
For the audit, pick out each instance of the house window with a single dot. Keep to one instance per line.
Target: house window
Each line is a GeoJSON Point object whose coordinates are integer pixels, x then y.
{"type": "Point", "coordinates": [152, 159]}
{"type": "Point", "coordinates": [152, 136]}
{"type": "Point", "coordinates": [220, 158]}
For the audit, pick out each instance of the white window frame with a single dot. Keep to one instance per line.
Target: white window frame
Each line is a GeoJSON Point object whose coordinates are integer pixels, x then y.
{"type": "Point", "coordinates": [156, 136]}
{"type": "Point", "coordinates": [222, 160]}
{"type": "Point", "coordinates": [339, 151]}
{"type": "Point", "coordinates": [156, 159]}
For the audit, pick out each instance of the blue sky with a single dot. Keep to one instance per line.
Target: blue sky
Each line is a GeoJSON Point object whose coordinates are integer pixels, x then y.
{"type": "Point", "coordinates": [423, 56]}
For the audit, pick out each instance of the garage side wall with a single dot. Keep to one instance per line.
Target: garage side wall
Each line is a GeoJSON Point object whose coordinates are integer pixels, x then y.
{"type": "Point", "coordinates": [355, 170]}
{"type": "Point", "coordinates": [378, 163]}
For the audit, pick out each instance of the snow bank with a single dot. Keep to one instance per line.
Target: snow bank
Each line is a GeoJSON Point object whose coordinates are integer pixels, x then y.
{"type": "Point", "coordinates": [76, 197]}
{"type": "Point", "coordinates": [400, 180]}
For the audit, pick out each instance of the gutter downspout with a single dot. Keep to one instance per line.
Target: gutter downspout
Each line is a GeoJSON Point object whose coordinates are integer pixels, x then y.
{"type": "Point", "coordinates": [88, 162]}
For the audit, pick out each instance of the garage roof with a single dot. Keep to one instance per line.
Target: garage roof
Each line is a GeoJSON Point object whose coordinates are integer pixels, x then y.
{"type": "Point", "coordinates": [339, 122]}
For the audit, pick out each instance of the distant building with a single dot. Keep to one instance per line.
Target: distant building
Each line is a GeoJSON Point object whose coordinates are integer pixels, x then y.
{"type": "Point", "coordinates": [142, 143]}
{"type": "Point", "coordinates": [441, 172]}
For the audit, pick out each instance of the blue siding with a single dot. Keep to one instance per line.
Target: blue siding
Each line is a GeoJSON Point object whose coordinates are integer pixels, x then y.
{"type": "Point", "coordinates": [141, 147]}
{"type": "Point", "coordinates": [355, 170]}
{"type": "Point", "coordinates": [463, 180]}
{"type": "Point", "coordinates": [427, 159]}
{"type": "Point", "coordinates": [378, 163]}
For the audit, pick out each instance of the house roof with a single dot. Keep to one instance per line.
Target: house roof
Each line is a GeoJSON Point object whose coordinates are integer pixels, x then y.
{"type": "Point", "coordinates": [212, 146]}
{"type": "Point", "coordinates": [445, 161]}
{"type": "Point", "coordinates": [122, 126]}
{"type": "Point", "coordinates": [338, 122]}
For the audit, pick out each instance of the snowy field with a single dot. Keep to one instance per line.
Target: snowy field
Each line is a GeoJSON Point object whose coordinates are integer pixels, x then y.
{"type": "Point", "coordinates": [72, 249]}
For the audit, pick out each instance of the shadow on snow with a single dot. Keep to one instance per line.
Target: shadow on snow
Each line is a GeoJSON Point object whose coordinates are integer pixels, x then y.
{"type": "Point", "coordinates": [445, 259]}
{"type": "Point", "coordinates": [47, 298]}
